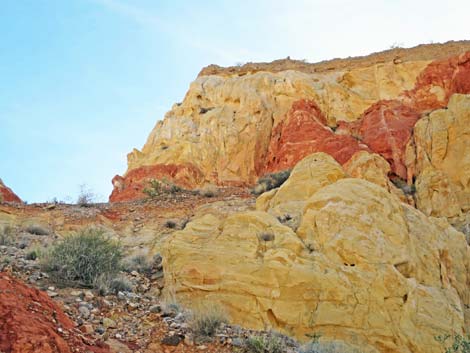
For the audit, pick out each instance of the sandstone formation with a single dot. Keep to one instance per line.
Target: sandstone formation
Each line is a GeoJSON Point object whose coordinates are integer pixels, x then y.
{"type": "Point", "coordinates": [360, 266]}
{"type": "Point", "coordinates": [236, 124]}
{"type": "Point", "coordinates": [31, 322]}
{"type": "Point", "coordinates": [439, 156]}
{"type": "Point", "coordinates": [6, 194]}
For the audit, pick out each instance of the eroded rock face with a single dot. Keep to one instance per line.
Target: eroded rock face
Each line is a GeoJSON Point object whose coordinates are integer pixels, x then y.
{"type": "Point", "coordinates": [304, 131]}
{"type": "Point", "coordinates": [439, 156]}
{"type": "Point", "coordinates": [232, 128]}
{"type": "Point", "coordinates": [6, 194]}
{"type": "Point", "coordinates": [31, 322]}
{"type": "Point", "coordinates": [226, 124]}
{"type": "Point", "coordinates": [361, 267]}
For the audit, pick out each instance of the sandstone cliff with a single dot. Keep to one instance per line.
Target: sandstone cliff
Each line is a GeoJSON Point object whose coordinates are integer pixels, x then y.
{"type": "Point", "coordinates": [6, 194]}
{"type": "Point", "coordinates": [236, 124]}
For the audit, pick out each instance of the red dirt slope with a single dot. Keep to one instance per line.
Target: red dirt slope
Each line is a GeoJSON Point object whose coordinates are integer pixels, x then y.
{"type": "Point", "coordinates": [31, 322]}
{"type": "Point", "coordinates": [6, 194]}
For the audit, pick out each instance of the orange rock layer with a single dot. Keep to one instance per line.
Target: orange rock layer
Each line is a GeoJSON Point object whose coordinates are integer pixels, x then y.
{"type": "Point", "coordinates": [31, 322]}
{"type": "Point", "coordinates": [6, 194]}
{"type": "Point", "coordinates": [132, 185]}
{"type": "Point", "coordinates": [384, 128]}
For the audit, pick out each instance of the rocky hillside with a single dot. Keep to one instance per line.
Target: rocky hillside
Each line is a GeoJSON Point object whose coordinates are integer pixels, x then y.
{"type": "Point", "coordinates": [236, 124]}
{"type": "Point", "coordinates": [366, 241]}
{"type": "Point", "coordinates": [6, 194]}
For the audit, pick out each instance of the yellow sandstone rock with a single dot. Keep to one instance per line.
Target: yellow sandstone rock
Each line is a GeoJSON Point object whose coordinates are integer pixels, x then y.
{"type": "Point", "coordinates": [374, 168]}
{"type": "Point", "coordinates": [440, 156]}
{"type": "Point", "coordinates": [223, 126]}
{"type": "Point", "coordinates": [362, 267]}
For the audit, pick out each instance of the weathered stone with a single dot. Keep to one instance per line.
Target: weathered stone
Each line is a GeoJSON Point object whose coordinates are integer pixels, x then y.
{"type": "Point", "coordinates": [172, 340]}
{"type": "Point", "coordinates": [439, 156]}
{"type": "Point", "coordinates": [362, 267]}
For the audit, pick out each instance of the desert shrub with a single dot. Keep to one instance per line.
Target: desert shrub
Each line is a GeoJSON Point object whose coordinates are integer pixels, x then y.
{"type": "Point", "coordinates": [157, 188]}
{"type": "Point", "coordinates": [106, 284]}
{"type": "Point", "coordinates": [457, 344]}
{"type": "Point", "coordinates": [266, 236]}
{"type": "Point", "coordinates": [34, 253]}
{"type": "Point", "coordinates": [290, 220]}
{"type": "Point", "coordinates": [403, 185]}
{"type": "Point", "coordinates": [270, 181]}
{"type": "Point", "coordinates": [170, 224]}
{"type": "Point", "coordinates": [85, 196]}
{"type": "Point", "coordinates": [82, 257]}
{"type": "Point", "coordinates": [327, 347]}
{"type": "Point", "coordinates": [138, 262]}
{"type": "Point", "coordinates": [37, 230]}
{"type": "Point", "coordinates": [6, 235]}
{"type": "Point", "coordinates": [206, 319]}
{"type": "Point", "coordinates": [208, 190]}
{"type": "Point", "coordinates": [264, 344]}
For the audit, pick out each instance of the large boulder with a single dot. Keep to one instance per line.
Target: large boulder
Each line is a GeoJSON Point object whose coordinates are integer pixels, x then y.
{"type": "Point", "coordinates": [362, 266]}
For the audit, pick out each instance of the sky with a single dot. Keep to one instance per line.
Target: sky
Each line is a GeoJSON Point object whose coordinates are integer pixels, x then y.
{"type": "Point", "coordinates": [83, 82]}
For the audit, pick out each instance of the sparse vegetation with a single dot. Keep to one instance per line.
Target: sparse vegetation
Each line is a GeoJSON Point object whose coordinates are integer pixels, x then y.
{"type": "Point", "coordinates": [81, 258]}
{"type": "Point", "coordinates": [158, 188]}
{"type": "Point", "coordinates": [403, 185]}
{"type": "Point", "coordinates": [37, 230]}
{"type": "Point", "coordinates": [206, 319]}
{"type": "Point", "coordinates": [208, 190]}
{"type": "Point", "coordinates": [33, 254]}
{"type": "Point", "coordinates": [327, 347]}
{"type": "Point", "coordinates": [459, 344]}
{"type": "Point", "coordinates": [396, 45]}
{"type": "Point", "coordinates": [6, 235]}
{"type": "Point", "coordinates": [292, 221]}
{"type": "Point", "coordinates": [85, 196]}
{"type": "Point", "coordinates": [264, 344]}
{"type": "Point", "coordinates": [170, 224]}
{"type": "Point", "coordinates": [106, 284]}
{"type": "Point", "coordinates": [270, 181]}
{"type": "Point", "coordinates": [266, 236]}
{"type": "Point", "coordinates": [139, 263]}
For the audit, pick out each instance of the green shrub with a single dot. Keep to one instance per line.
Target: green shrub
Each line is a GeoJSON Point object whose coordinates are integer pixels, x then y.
{"type": "Point", "coordinates": [158, 188]}
{"type": "Point", "coordinates": [206, 319]}
{"type": "Point", "coordinates": [82, 257]}
{"type": "Point", "coordinates": [208, 190]}
{"type": "Point", "coordinates": [270, 181]}
{"type": "Point", "coordinates": [459, 344]}
{"type": "Point", "coordinates": [31, 255]}
{"type": "Point", "coordinates": [264, 344]}
{"type": "Point", "coordinates": [138, 262]}
{"type": "Point", "coordinates": [170, 224]}
{"type": "Point", "coordinates": [6, 235]}
{"type": "Point", "coordinates": [37, 230]}
{"type": "Point", "coordinates": [106, 284]}
{"type": "Point", "coordinates": [327, 347]}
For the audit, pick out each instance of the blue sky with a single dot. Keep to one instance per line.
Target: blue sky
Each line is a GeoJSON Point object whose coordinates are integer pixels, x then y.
{"type": "Point", "coordinates": [84, 81]}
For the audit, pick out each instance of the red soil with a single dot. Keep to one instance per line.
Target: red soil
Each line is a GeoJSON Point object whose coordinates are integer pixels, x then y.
{"type": "Point", "coordinates": [31, 322]}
